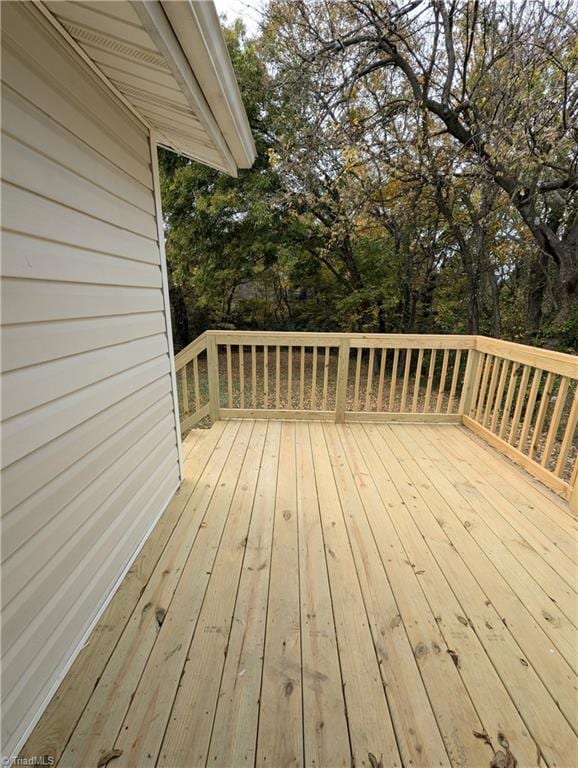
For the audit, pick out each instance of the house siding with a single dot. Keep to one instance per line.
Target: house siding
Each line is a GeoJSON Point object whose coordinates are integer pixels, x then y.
{"type": "Point", "coordinates": [90, 453]}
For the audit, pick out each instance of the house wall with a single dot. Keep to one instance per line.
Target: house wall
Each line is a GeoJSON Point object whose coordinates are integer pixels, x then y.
{"type": "Point", "coordinates": [90, 453]}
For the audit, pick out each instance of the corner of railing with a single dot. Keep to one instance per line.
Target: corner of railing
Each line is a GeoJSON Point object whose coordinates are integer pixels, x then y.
{"type": "Point", "coordinates": [470, 378]}
{"type": "Point", "coordinates": [342, 377]}
{"type": "Point", "coordinates": [573, 490]}
{"type": "Point", "coordinates": [213, 376]}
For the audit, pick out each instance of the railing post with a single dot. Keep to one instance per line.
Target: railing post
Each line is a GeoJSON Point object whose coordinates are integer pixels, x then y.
{"type": "Point", "coordinates": [342, 376]}
{"type": "Point", "coordinates": [470, 376]}
{"type": "Point", "coordinates": [213, 375]}
{"type": "Point", "coordinates": [573, 497]}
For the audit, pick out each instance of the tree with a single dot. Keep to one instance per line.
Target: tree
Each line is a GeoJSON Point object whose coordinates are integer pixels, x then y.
{"type": "Point", "coordinates": [365, 210]}
{"type": "Point", "coordinates": [498, 78]}
{"type": "Point", "coordinates": [222, 232]}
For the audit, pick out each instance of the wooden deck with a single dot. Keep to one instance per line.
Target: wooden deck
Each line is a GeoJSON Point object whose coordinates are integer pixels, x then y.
{"type": "Point", "coordinates": [328, 595]}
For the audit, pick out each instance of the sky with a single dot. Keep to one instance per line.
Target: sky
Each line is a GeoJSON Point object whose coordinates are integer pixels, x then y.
{"type": "Point", "coordinates": [248, 10]}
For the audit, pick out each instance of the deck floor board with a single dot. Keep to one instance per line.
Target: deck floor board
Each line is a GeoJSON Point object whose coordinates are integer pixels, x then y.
{"type": "Point", "coordinates": [330, 595]}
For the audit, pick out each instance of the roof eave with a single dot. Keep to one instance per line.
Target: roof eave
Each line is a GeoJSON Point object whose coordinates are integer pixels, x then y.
{"type": "Point", "coordinates": [158, 26]}
{"type": "Point", "coordinates": [197, 27]}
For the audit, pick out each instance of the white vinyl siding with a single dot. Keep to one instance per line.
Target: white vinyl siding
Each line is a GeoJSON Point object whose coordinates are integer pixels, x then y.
{"type": "Point", "coordinates": [89, 443]}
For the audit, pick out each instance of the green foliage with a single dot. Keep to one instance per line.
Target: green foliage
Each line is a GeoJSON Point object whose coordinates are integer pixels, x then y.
{"type": "Point", "coordinates": [562, 336]}
{"type": "Point", "coordinates": [365, 216]}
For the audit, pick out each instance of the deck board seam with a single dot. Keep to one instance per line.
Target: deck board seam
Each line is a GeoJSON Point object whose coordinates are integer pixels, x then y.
{"type": "Point", "coordinates": [242, 565]}
{"type": "Point", "coordinates": [331, 598]}
{"type": "Point", "coordinates": [363, 597]}
{"type": "Point", "coordinates": [420, 586]}
{"type": "Point", "coordinates": [230, 446]}
{"type": "Point", "coordinates": [153, 570]}
{"type": "Point", "coordinates": [507, 627]}
{"type": "Point", "coordinates": [526, 567]}
{"type": "Point", "coordinates": [540, 592]}
{"type": "Point", "coordinates": [200, 609]}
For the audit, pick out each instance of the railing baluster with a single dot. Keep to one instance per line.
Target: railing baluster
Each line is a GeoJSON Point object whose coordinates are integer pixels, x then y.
{"type": "Point", "coordinates": [417, 381]}
{"type": "Point", "coordinates": [442, 384]}
{"type": "Point", "coordinates": [357, 378]}
{"type": "Point", "coordinates": [529, 409]}
{"type": "Point", "coordinates": [290, 376]}
{"type": "Point", "coordinates": [313, 399]}
{"type": "Point", "coordinates": [185, 390]}
{"type": "Point", "coordinates": [369, 379]}
{"type": "Point", "coordinates": [568, 435]}
{"type": "Point", "coordinates": [229, 377]}
{"type": "Point", "coordinates": [278, 377]}
{"type": "Point", "coordinates": [509, 399]}
{"type": "Point", "coordinates": [499, 394]}
{"type": "Point", "coordinates": [520, 398]}
{"type": "Point", "coordinates": [302, 379]}
{"type": "Point", "coordinates": [265, 376]}
{"type": "Point", "coordinates": [542, 410]}
{"type": "Point", "coordinates": [430, 378]}
{"type": "Point", "coordinates": [379, 404]}
{"type": "Point", "coordinates": [454, 383]}
{"type": "Point", "coordinates": [254, 375]}
{"type": "Point", "coordinates": [555, 420]}
{"type": "Point", "coordinates": [326, 377]}
{"type": "Point", "coordinates": [405, 380]}
{"type": "Point", "coordinates": [573, 488]}
{"type": "Point", "coordinates": [196, 384]}
{"type": "Point", "coordinates": [393, 384]}
{"type": "Point", "coordinates": [241, 377]}
{"type": "Point", "coordinates": [483, 385]}
{"type": "Point", "coordinates": [491, 389]}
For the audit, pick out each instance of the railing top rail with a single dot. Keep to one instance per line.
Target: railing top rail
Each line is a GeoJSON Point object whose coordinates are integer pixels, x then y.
{"type": "Point", "coordinates": [190, 351]}
{"type": "Point", "coordinates": [545, 359]}
{"type": "Point", "coordinates": [557, 362]}
{"type": "Point", "coordinates": [308, 338]}
{"type": "Point", "coordinates": [488, 383]}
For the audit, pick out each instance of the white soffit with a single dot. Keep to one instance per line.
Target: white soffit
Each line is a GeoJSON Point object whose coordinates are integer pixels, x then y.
{"type": "Point", "coordinates": [170, 63]}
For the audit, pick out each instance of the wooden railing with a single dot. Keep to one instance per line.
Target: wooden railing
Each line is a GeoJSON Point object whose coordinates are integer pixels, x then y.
{"type": "Point", "coordinates": [192, 370]}
{"type": "Point", "coordinates": [525, 403]}
{"type": "Point", "coordinates": [520, 399]}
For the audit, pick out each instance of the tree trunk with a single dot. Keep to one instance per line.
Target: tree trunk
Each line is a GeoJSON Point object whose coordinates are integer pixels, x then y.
{"type": "Point", "coordinates": [537, 286]}
{"type": "Point", "coordinates": [495, 295]}
{"type": "Point", "coordinates": [181, 336]}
